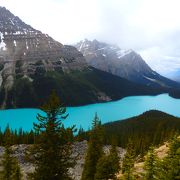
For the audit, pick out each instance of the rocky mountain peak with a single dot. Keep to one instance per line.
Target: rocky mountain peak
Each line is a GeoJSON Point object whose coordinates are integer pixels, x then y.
{"type": "Point", "coordinates": [99, 53]}
{"type": "Point", "coordinates": [125, 63]}
{"type": "Point", "coordinates": [89, 47]}
{"type": "Point", "coordinates": [25, 51]}
{"type": "Point", "coordinates": [12, 24]}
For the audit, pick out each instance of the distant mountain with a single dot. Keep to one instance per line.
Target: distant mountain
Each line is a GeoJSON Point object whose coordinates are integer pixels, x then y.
{"type": "Point", "coordinates": [32, 64]}
{"type": "Point", "coordinates": [175, 75]}
{"type": "Point", "coordinates": [124, 63]}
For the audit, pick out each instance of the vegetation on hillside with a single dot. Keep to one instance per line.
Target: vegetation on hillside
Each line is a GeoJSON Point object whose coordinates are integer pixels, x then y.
{"type": "Point", "coordinates": [95, 150]}
{"type": "Point", "coordinates": [167, 168]}
{"type": "Point", "coordinates": [10, 165]}
{"type": "Point", "coordinates": [53, 149]}
{"type": "Point", "coordinates": [150, 128]}
{"type": "Point", "coordinates": [74, 88]}
{"type": "Point", "coordinates": [51, 152]}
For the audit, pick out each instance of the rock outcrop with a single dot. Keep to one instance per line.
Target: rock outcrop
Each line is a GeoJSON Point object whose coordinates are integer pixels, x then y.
{"type": "Point", "coordinates": [124, 63]}
{"type": "Point", "coordinates": [78, 153]}
{"type": "Point", "coordinates": [25, 51]}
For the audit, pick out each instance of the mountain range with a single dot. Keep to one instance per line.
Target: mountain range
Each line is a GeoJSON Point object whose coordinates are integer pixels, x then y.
{"type": "Point", "coordinates": [124, 63]}
{"type": "Point", "coordinates": [32, 64]}
{"type": "Point", "coordinates": [174, 75]}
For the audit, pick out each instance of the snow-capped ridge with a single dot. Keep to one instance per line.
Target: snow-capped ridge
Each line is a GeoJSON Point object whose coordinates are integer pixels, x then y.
{"type": "Point", "coordinates": [125, 63]}
{"type": "Point", "coordinates": [123, 52]}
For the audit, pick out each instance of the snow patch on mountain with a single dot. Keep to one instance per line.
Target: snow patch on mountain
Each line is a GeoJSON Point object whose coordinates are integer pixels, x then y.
{"type": "Point", "coordinates": [2, 44]}
{"type": "Point", "coordinates": [123, 52]}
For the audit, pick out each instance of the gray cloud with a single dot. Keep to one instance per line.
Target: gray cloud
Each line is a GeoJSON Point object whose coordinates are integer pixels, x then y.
{"type": "Point", "coordinates": [152, 28]}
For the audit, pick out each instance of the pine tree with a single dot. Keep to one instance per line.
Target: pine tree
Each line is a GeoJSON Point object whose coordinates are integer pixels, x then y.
{"type": "Point", "coordinates": [82, 135]}
{"type": "Point", "coordinates": [128, 162]}
{"type": "Point", "coordinates": [108, 165]}
{"type": "Point", "coordinates": [7, 164]}
{"type": "Point", "coordinates": [16, 174]}
{"type": "Point", "coordinates": [151, 165]}
{"type": "Point", "coordinates": [115, 160]}
{"type": "Point", "coordinates": [11, 169]}
{"type": "Point", "coordinates": [170, 166]}
{"type": "Point", "coordinates": [95, 150]}
{"type": "Point", "coordinates": [53, 149]}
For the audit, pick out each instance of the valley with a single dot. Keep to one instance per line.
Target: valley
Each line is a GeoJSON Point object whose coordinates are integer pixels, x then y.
{"type": "Point", "coordinates": [82, 116]}
{"type": "Point", "coordinates": [89, 110]}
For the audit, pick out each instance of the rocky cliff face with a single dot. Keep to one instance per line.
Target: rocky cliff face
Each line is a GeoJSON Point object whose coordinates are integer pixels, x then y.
{"type": "Point", "coordinates": [32, 64]}
{"type": "Point", "coordinates": [124, 63]}
{"type": "Point", "coordinates": [25, 50]}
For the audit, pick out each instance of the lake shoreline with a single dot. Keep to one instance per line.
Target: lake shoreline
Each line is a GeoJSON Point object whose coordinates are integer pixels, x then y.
{"type": "Point", "coordinates": [82, 116]}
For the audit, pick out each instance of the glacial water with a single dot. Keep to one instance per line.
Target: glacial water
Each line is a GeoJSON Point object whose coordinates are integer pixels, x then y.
{"type": "Point", "coordinates": [83, 115]}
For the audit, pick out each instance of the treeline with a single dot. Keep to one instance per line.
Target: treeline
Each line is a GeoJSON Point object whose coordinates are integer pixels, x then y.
{"type": "Point", "coordinates": [10, 166]}
{"type": "Point", "coordinates": [166, 168]}
{"type": "Point", "coordinates": [175, 93]}
{"type": "Point", "coordinates": [51, 152]}
{"type": "Point", "coordinates": [18, 136]}
{"type": "Point", "coordinates": [52, 149]}
{"type": "Point", "coordinates": [101, 166]}
{"type": "Point", "coordinates": [150, 128]}
{"type": "Point", "coordinates": [74, 88]}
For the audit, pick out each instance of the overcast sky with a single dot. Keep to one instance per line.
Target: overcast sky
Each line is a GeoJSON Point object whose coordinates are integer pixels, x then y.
{"type": "Point", "coordinates": [150, 27]}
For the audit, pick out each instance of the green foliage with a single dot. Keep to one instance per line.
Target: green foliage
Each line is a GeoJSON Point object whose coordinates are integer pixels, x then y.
{"type": "Point", "coordinates": [128, 162]}
{"type": "Point", "coordinates": [115, 160]}
{"type": "Point", "coordinates": [150, 128]}
{"type": "Point", "coordinates": [7, 137]}
{"type": "Point", "coordinates": [167, 168]}
{"type": "Point", "coordinates": [170, 165]}
{"type": "Point", "coordinates": [23, 94]}
{"type": "Point", "coordinates": [7, 164]}
{"type": "Point", "coordinates": [151, 165]}
{"type": "Point", "coordinates": [11, 169]}
{"type": "Point", "coordinates": [16, 175]}
{"type": "Point", "coordinates": [108, 165]}
{"type": "Point", "coordinates": [74, 88]}
{"type": "Point", "coordinates": [95, 150]}
{"type": "Point", "coordinates": [82, 135]}
{"type": "Point", "coordinates": [53, 149]}
{"type": "Point", "coordinates": [17, 137]}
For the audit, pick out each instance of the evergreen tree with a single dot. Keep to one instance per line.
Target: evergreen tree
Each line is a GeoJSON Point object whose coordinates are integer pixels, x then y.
{"type": "Point", "coordinates": [95, 150]}
{"type": "Point", "coordinates": [11, 169]}
{"type": "Point", "coordinates": [170, 166]}
{"type": "Point", "coordinates": [53, 149]}
{"type": "Point", "coordinates": [108, 165]}
{"type": "Point", "coordinates": [82, 135]}
{"type": "Point", "coordinates": [151, 165]}
{"type": "Point", "coordinates": [16, 175]}
{"type": "Point", "coordinates": [7, 164]}
{"type": "Point", "coordinates": [128, 162]}
{"type": "Point", "coordinates": [115, 160]}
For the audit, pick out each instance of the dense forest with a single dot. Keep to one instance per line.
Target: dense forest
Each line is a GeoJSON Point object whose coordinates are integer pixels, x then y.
{"type": "Point", "coordinates": [101, 166]}
{"type": "Point", "coordinates": [74, 88]}
{"type": "Point", "coordinates": [175, 93]}
{"type": "Point", "coordinates": [150, 128]}
{"type": "Point", "coordinates": [52, 147]}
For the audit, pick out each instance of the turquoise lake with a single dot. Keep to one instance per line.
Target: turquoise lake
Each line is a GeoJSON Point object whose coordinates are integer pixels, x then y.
{"type": "Point", "coordinates": [83, 115]}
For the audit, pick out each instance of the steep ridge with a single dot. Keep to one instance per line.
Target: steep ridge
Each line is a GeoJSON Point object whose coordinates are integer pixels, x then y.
{"type": "Point", "coordinates": [124, 63]}
{"type": "Point", "coordinates": [32, 64]}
